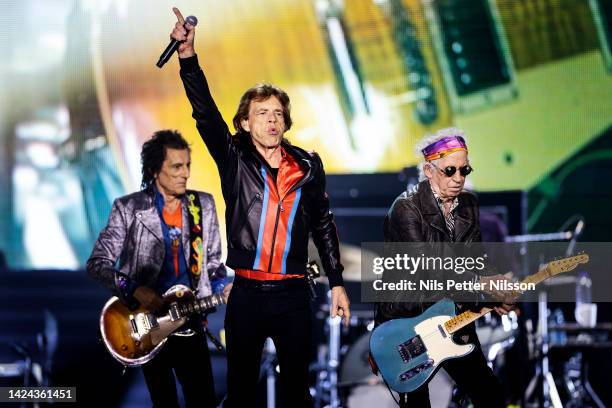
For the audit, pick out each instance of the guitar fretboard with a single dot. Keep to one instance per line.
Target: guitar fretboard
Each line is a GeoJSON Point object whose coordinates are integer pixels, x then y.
{"type": "Point", "coordinates": [467, 317]}
{"type": "Point", "coordinates": [463, 319]}
{"type": "Point", "coordinates": [539, 276]}
{"type": "Point", "coordinates": [546, 272]}
{"type": "Point", "coordinates": [211, 301]}
{"type": "Point", "coordinates": [201, 305]}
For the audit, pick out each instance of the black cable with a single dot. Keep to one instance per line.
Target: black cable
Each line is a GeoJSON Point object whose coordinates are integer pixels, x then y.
{"type": "Point", "coordinates": [391, 392]}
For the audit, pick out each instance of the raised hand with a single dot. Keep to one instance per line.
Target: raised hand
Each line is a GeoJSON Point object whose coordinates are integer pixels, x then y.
{"type": "Point", "coordinates": [183, 33]}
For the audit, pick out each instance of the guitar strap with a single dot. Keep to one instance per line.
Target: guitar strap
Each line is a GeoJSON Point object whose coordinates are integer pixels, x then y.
{"type": "Point", "coordinates": [195, 234]}
{"type": "Point", "coordinates": [197, 247]}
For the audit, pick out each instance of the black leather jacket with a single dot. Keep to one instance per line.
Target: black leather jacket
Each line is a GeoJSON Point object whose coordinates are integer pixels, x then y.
{"type": "Point", "coordinates": [415, 217]}
{"type": "Point", "coordinates": [242, 183]}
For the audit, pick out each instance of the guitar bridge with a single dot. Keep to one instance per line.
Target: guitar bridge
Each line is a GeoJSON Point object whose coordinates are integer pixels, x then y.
{"type": "Point", "coordinates": [412, 348]}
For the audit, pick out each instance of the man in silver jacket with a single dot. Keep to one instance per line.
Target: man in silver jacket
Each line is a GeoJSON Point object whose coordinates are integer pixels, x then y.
{"type": "Point", "coordinates": [152, 242]}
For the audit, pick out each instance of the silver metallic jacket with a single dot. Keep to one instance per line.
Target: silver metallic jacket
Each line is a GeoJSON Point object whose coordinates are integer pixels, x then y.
{"type": "Point", "coordinates": [132, 244]}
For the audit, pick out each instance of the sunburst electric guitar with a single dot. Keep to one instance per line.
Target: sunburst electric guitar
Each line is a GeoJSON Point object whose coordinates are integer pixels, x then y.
{"type": "Point", "coordinates": [134, 337]}
{"type": "Point", "coordinates": [407, 352]}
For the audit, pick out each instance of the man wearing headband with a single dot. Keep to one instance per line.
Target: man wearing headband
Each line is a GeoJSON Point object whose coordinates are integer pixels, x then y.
{"type": "Point", "coordinates": [439, 210]}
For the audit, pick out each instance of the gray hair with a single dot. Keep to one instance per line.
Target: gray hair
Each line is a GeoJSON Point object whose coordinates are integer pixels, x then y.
{"type": "Point", "coordinates": [432, 138]}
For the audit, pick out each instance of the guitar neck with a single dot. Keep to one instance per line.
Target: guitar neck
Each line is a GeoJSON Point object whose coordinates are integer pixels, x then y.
{"type": "Point", "coordinates": [539, 276]}
{"type": "Point", "coordinates": [209, 302]}
{"type": "Point", "coordinates": [197, 305]}
{"type": "Point", "coordinates": [467, 317]}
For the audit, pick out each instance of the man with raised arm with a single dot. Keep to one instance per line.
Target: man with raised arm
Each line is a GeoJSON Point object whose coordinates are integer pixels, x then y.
{"type": "Point", "coordinates": [275, 198]}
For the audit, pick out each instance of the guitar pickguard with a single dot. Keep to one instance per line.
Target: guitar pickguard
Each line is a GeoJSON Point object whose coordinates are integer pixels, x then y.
{"type": "Point", "coordinates": [438, 343]}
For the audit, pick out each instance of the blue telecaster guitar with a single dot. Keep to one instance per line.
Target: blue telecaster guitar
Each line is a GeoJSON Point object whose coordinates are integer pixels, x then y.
{"type": "Point", "coordinates": [407, 352]}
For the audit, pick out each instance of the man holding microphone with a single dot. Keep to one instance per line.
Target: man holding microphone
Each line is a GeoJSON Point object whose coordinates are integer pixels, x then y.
{"type": "Point", "coordinates": [275, 199]}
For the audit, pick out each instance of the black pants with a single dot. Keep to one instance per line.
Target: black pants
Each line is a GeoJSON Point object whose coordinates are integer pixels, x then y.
{"type": "Point", "coordinates": [256, 311]}
{"type": "Point", "coordinates": [472, 375]}
{"type": "Point", "coordinates": [188, 358]}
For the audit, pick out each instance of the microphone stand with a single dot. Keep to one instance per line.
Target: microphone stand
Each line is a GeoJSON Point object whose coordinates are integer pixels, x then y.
{"type": "Point", "coordinates": [577, 232]}
{"type": "Point", "coordinates": [586, 385]}
{"type": "Point", "coordinates": [270, 368]}
{"type": "Point", "coordinates": [550, 394]}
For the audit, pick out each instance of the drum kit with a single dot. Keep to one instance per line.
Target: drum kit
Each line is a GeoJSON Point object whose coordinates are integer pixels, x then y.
{"type": "Point", "coordinates": [344, 377]}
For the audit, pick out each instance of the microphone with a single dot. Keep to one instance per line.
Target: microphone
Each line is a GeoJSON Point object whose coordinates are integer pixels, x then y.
{"type": "Point", "coordinates": [173, 46]}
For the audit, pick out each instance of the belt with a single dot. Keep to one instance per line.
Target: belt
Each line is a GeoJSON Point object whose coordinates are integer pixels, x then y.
{"type": "Point", "coordinates": [264, 276]}
{"type": "Point", "coordinates": [270, 286]}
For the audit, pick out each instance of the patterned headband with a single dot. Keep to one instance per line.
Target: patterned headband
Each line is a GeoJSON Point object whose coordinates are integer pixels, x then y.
{"type": "Point", "coordinates": [444, 147]}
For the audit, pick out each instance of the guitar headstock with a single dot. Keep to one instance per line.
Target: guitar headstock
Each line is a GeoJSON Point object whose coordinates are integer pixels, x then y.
{"type": "Point", "coordinates": [567, 264]}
